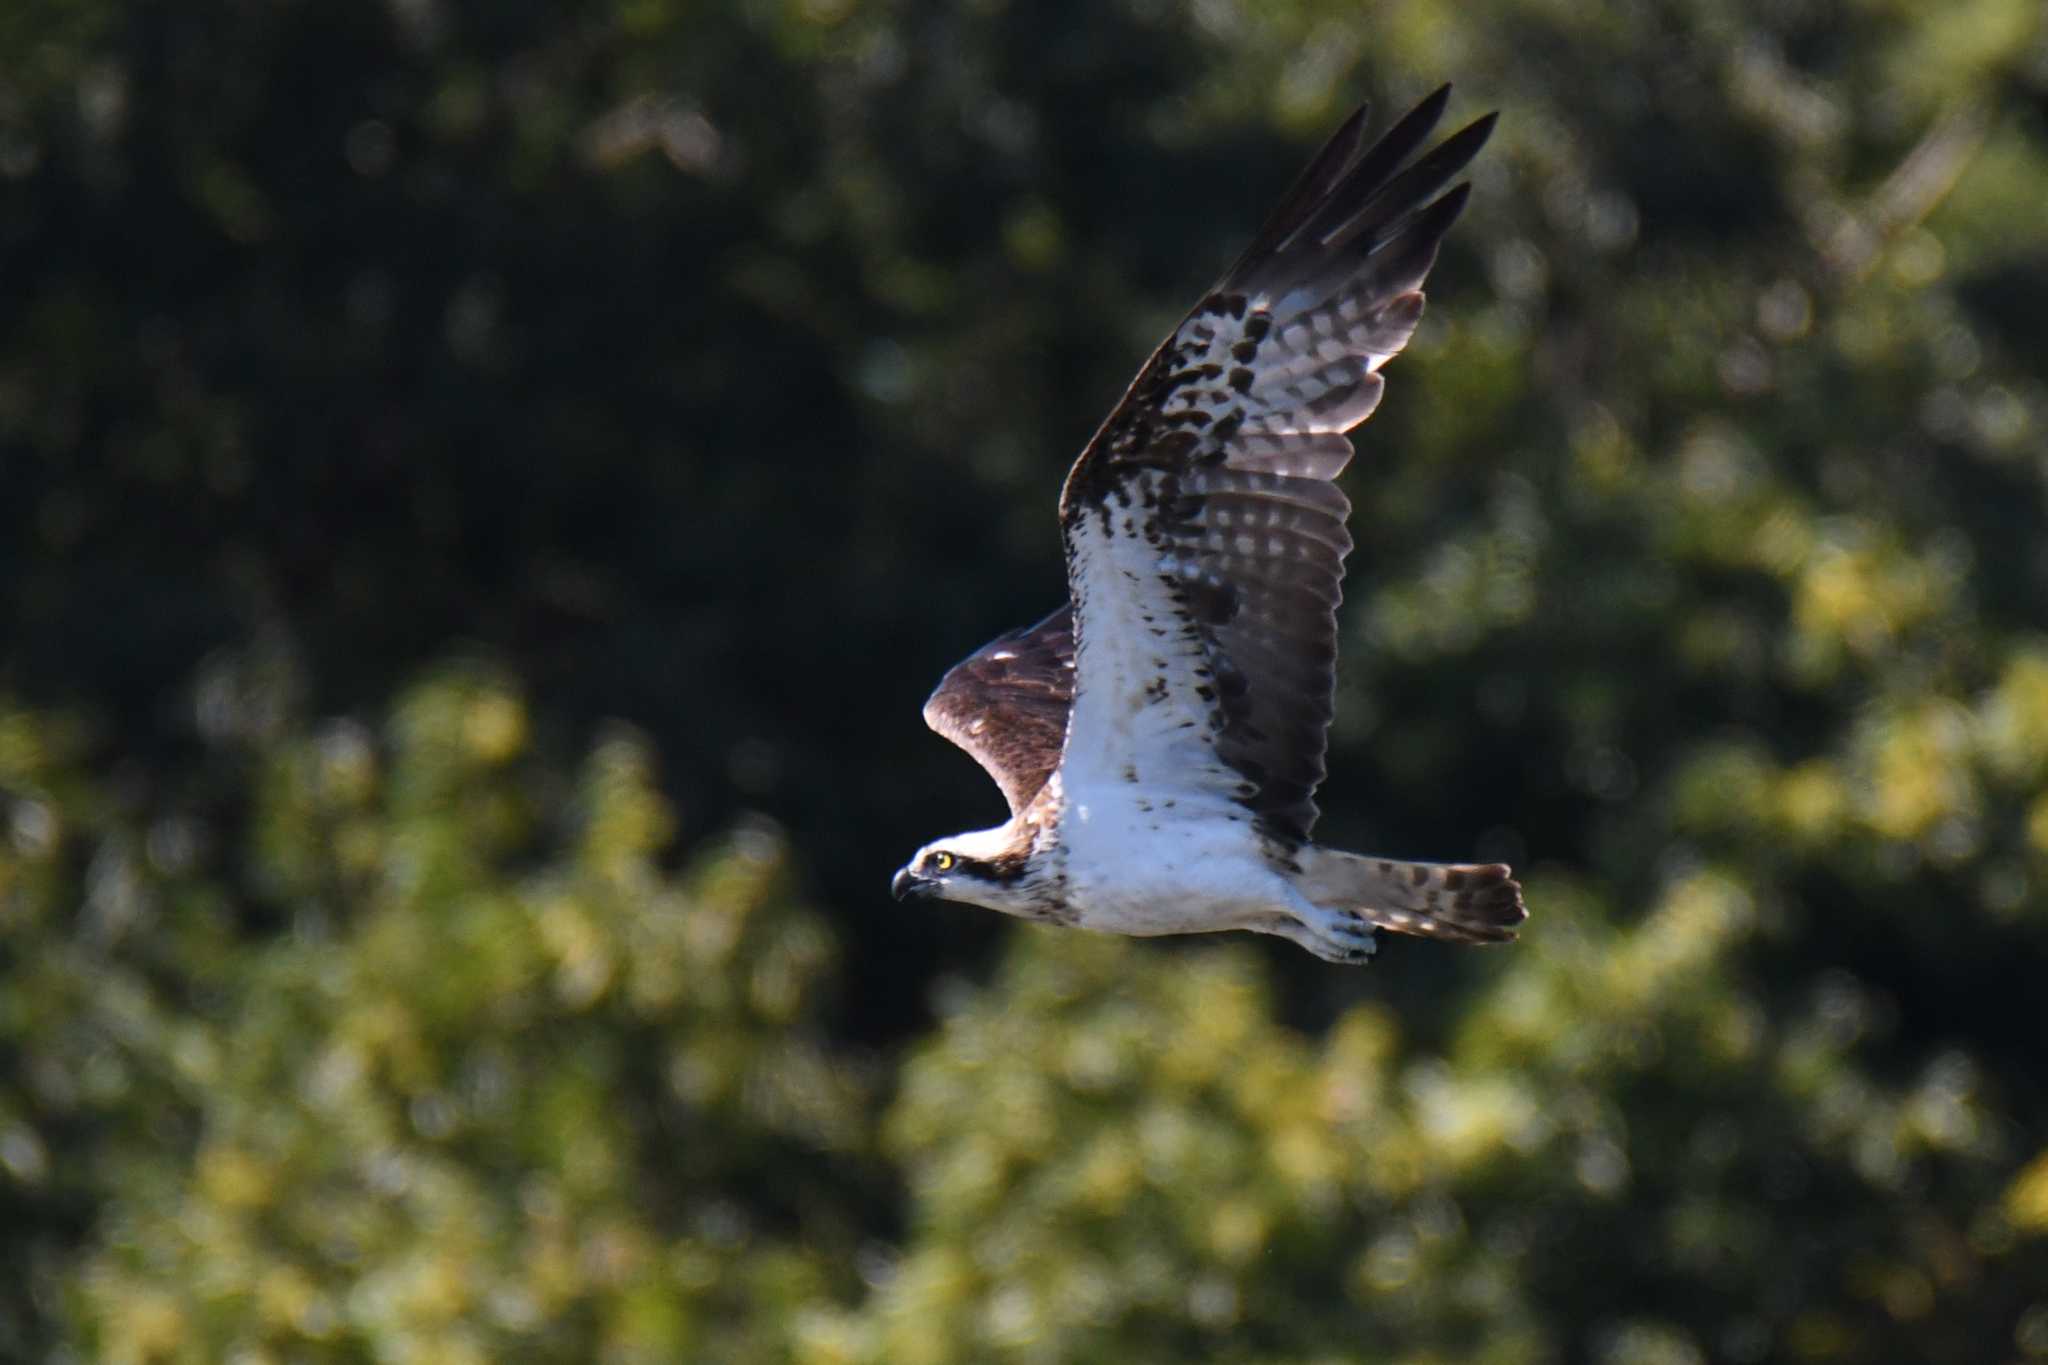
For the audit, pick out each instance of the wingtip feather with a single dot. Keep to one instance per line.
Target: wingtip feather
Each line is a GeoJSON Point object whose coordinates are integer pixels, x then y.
{"type": "Point", "coordinates": [1351, 200]}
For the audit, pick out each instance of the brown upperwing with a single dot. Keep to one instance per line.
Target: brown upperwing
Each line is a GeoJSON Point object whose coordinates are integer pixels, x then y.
{"type": "Point", "coordinates": [1007, 703]}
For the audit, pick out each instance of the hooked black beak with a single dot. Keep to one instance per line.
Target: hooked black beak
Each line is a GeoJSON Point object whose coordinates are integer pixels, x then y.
{"type": "Point", "coordinates": [909, 885]}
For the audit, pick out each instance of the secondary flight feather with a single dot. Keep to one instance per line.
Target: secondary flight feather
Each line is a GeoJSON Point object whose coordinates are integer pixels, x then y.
{"type": "Point", "coordinates": [1160, 737]}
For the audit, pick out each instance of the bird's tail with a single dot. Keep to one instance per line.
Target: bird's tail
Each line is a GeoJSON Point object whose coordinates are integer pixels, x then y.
{"type": "Point", "coordinates": [1461, 902]}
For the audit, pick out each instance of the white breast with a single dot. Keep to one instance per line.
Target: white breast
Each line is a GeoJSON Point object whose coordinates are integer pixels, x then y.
{"type": "Point", "coordinates": [1151, 836]}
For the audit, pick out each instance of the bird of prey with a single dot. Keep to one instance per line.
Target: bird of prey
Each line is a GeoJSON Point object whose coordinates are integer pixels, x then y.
{"type": "Point", "coordinates": [1160, 737]}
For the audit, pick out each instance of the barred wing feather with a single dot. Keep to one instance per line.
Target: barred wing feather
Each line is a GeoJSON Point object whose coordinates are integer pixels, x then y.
{"type": "Point", "coordinates": [1219, 459]}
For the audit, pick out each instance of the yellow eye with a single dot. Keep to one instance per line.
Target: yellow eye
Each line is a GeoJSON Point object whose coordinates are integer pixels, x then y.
{"type": "Point", "coordinates": [942, 862]}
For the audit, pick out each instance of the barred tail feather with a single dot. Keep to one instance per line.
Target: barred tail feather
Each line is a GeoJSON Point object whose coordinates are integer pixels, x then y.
{"type": "Point", "coordinates": [1459, 902]}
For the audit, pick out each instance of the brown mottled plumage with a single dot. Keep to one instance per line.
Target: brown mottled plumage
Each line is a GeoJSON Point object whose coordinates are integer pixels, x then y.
{"type": "Point", "coordinates": [1007, 703]}
{"type": "Point", "coordinates": [1160, 740]}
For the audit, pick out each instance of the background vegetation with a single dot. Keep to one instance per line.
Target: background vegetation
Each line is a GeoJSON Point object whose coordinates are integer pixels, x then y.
{"type": "Point", "coordinates": [484, 489]}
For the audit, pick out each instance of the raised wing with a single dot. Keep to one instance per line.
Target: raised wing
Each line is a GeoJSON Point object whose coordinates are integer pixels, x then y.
{"type": "Point", "coordinates": [1205, 499]}
{"type": "Point", "coordinates": [1007, 703]}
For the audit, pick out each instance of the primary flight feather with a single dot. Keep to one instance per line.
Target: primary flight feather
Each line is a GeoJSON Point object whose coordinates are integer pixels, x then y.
{"type": "Point", "coordinates": [1160, 737]}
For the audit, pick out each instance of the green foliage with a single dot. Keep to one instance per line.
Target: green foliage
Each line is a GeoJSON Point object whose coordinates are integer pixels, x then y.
{"type": "Point", "coordinates": [503, 1086]}
{"type": "Point", "coordinates": [1117, 1156]}
{"type": "Point", "coordinates": [712, 368]}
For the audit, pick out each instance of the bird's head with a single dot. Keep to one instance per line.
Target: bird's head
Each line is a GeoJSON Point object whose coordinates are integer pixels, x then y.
{"type": "Point", "coordinates": [984, 868]}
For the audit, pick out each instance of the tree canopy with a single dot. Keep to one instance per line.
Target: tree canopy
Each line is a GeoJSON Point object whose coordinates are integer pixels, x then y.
{"type": "Point", "coordinates": [484, 490]}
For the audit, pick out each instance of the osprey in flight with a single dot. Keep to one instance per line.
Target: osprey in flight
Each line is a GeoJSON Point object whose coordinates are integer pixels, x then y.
{"type": "Point", "coordinates": [1160, 737]}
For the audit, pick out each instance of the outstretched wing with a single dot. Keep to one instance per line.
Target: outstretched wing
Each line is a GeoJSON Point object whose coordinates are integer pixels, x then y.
{"type": "Point", "coordinates": [1006, 704]}
{"type": "Point", "coordinates": [1205, 538]}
